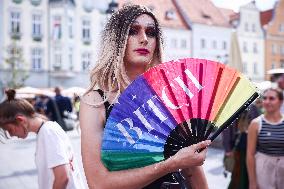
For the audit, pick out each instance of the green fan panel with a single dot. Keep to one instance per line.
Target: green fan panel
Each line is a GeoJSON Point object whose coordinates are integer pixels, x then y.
{"type": "Point", "coordinates": [115, 161]}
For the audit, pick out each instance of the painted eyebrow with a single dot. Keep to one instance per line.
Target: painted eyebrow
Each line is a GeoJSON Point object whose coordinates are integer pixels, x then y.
{"type": "Point", "coordinates": [148, 24]}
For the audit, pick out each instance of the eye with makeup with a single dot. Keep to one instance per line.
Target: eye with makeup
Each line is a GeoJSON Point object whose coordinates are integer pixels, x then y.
{"type": "Point", "coordinates": [150, 31]}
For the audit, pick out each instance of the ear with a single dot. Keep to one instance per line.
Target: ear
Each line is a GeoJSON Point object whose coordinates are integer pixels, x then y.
{"type": "Point", "coordinates": [20, 118]}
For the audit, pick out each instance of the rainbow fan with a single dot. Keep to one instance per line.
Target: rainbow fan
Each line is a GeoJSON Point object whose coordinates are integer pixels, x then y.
{"type": "Point", "coordinates": [171, 106]}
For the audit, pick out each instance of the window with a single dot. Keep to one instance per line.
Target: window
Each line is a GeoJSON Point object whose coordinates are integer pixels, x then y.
{"type": "Point", "coordinates": [36, 25]}
{"type": "Point", "coordinates": [255, 69]}
{"type": "Point", "coordinates": [214, 44]}
{"type": "Point", "coordinates": [224, 45]}
{"type": "Point", "coordinates": [71, 66]}
{"type": "Point", "coordinates": [36, 59]}
{"type": "Point", "coordinates": [57, 28]}
{"type": "Point", "coordinates": [253, 28]}
{"type": "Point", "coordinates": [57, 58]}
{"type": "Point", "coordinates": [274, 49]}
{"type": "Point", "coordinates": [246, 27]}
{"type": "Point", "coordinates": [15, 56]}
{"type": "Point", "coordinates": [282, 50]}
{"type": "Point", "coordinates": [86, 31]}
{"type": "Point", "coordinates": [86, 61]}
{"type": "Point", "coordinates": [282, 63]}
{"type": "Point", "coordinates": [245, 49]}
{"type": "Point", "coordinates": [174, 43]}
{"type": "Point", "coordinates": [255, 48]}
{"type": "Point", "coordinates": [273, 65]}
{"type": "Point", "coordinates": [36, 2]}
{"type": "Point", "coordinates": [170, 15]}
{"type": "Point", "coordinates": [281, 27]}
{"type": "Point", "coordinates": [15, 22]}
{"type": "Point", "coordinates": [245, 67]}
{"type": "Point", "coordinates": [70, 27]}
{"type": "Point", "coordinates": [203, 43]}
{"type": "Point", "coordinates": [183, 43]}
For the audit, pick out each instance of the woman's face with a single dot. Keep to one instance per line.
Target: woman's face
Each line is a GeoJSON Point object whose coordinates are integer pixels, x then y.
{"type": "Point", "coordinates": [141, 42]}
{"type": "Point", "coordinates": [16, 130]}
{"type": "Point", "coordinates": [271, 102]}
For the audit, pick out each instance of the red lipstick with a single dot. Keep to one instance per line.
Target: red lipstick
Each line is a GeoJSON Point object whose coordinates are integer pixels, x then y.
{"type": "Point", "coordinates": [142, 51]}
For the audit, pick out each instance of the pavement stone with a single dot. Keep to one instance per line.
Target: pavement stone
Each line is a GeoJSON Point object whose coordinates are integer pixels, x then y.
{"type": "Point", "coordinates": [18, 171]}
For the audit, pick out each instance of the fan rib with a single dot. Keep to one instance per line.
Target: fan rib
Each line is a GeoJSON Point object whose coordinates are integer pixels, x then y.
{"type": "Point", "coordinates": [183, 133]}
{"type": "Point", "coordinates": [188, 101]}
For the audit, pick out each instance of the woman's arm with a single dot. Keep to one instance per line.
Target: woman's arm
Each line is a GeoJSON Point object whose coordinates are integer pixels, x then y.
{"type": "Point", "coordinates": [60, 177]}
{"type": "Point", "coordinates": [196, 177]}
{"type": "Point", "coordinates": [251, 149]}
{"type": "Point", "coordinates": [91, 121]}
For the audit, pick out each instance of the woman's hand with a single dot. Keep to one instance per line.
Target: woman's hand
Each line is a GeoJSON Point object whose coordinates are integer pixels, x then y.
{"type": "Point", "coordinates": [190, 156]}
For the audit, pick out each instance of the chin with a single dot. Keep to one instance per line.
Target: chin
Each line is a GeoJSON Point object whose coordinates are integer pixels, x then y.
{"type": "Point", "coordinates": [23, 137]}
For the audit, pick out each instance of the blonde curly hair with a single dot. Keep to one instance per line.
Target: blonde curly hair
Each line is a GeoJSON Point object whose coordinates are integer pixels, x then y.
{"type": "Point", "coordinates": [109, 74]}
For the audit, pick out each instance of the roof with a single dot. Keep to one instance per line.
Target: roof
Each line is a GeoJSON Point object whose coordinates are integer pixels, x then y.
{"type": "Point", "coordinates": [229, 14]}
{"type": "Point", "coordinates": [202, 12]}
{"type": "Point", "coordinates": [266, 16]}
{"type": "Point", "coordinates": [165, 11]}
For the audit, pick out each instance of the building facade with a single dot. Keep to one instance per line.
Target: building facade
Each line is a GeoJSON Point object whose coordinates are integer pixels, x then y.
{"type": "Point", "coordinates": [274, 44]}
{"type": "Point", "coordinates": [211, 30]}
{"type": "Point", "coordinates": [24, 33]}
{"type": "Point", "coordinates": [251, 41]}
{"type": "Point", "coordinates": [57, 40]}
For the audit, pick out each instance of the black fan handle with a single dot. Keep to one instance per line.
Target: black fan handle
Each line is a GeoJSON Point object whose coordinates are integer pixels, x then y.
{"type": "Point", "coordinates": [180, 179]}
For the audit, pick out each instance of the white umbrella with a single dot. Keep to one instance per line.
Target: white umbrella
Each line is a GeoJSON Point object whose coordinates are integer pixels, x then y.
{"type": "Point", "coordinates": [31, 92]}
{"type": "Point", "coordinates": [275, 71]}
{"type": "Point", "coordinates": [79, 91]}
{"type": "Point", "coordinates": [265, 85]}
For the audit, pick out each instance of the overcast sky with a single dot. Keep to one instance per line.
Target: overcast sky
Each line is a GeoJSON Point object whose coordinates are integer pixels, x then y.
{"type": "Point", "coordinates": [235, 4]}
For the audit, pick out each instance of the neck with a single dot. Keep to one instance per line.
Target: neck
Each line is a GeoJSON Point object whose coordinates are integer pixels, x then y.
{"type": "Point", "coordinates": [134, 71]}
{"type": "Point", "coordinates": [273, 116]}
{"type": "Point", "coordinates": [34, 124]}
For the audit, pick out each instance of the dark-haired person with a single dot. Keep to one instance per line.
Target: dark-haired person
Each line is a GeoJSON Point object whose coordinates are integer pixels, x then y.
{"type": "Point", "coordinates": [54, 157]}
{"type": "Point", "coordinates": [265, 147]}
{"type": "Point", "coordinates": [131, 44]}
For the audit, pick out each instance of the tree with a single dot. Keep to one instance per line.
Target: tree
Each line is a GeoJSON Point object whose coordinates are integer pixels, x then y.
{"type": "Point", "coordinates": [16, 66]}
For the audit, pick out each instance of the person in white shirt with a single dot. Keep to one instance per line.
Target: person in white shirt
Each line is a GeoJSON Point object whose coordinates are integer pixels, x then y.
{"type": "Point", "coordinates": [55, 160]}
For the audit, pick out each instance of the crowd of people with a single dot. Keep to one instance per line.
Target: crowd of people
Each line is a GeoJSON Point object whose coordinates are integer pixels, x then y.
{"type": "Point", "coordinates": [131, 44]}
{"type": "Point", "coordinates": [59, 108]}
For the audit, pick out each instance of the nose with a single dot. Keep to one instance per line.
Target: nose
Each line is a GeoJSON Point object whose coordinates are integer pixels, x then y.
{"type": "Point", "coordinates": [143, 38]}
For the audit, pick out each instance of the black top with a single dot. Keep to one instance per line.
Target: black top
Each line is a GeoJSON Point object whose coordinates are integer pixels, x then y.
{"type": "Point", "coordinates": [157, 183]}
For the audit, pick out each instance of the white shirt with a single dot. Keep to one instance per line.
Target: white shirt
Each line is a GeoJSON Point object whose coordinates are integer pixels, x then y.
{"type": "Point", "coordinates": [53, 149]}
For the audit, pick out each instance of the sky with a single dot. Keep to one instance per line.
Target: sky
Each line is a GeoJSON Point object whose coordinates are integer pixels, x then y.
{"type": "Point", "coordinates": [235, 4]}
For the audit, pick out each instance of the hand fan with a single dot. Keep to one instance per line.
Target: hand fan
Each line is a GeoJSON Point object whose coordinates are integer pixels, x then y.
{"type": "Point", "coordinates": [171, 106]}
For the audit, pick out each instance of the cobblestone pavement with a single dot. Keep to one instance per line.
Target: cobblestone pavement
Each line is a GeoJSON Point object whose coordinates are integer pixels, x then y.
{"type": "Point", "coordinates": [18, 171]}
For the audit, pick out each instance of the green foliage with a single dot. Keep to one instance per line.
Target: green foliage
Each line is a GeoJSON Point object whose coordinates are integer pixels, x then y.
{"type": "Point", "coordinates": [16, 66]}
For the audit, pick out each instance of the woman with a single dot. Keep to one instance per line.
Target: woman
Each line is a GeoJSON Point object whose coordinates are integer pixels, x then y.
{"type": "Point", "coordinates": [265, 148]}
{"type": "Point", "coordinates": [54, 156]}
{"type": "Point", "coordinates": [131, 44]}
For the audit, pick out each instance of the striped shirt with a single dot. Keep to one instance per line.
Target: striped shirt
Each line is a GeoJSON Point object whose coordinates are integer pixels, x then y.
{"type": "Point", "coordinates": [271, 138]}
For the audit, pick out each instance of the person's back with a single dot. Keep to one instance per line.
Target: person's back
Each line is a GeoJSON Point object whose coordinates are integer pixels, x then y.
{"type": "Point", "coordinates": [53, 149]}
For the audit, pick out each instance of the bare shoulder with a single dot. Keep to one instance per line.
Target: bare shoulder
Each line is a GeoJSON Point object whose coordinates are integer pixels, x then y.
{"type": "Point", "coordinates": [92, 110]}
{"type": "Point", "coordinates": [254, 124]}
{"type": "Point", "coordinates": [92, 97]}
